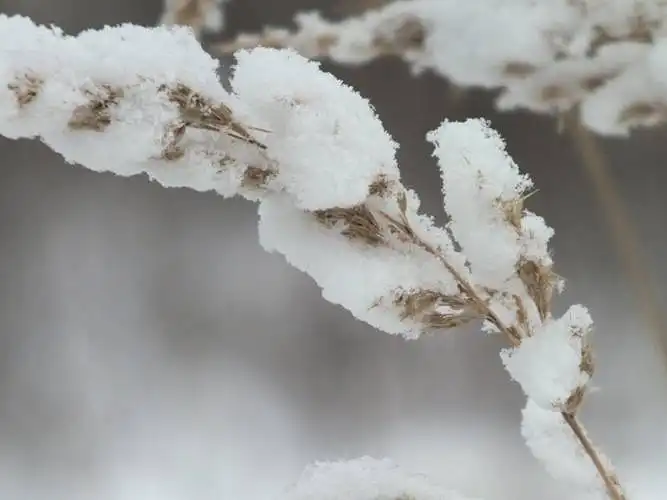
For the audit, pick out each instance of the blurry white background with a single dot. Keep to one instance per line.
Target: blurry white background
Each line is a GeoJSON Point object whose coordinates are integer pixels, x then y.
{"type": "Point", "coordinates": [150, 349]}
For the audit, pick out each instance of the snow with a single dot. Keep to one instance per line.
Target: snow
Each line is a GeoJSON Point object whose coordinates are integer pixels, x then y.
{"type": "Point", "coordinates": [548, 365]}
{"type": "Point", "coordinates": [327, 138]}
{"type": "Point", "coordinates": [365, 478]}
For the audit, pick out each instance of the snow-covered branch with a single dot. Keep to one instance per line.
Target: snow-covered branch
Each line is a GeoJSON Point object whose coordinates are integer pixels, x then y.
{"type": "Point", "coordinates": [100, 102]}
{"type": "Point", "coordinates": [316, 157]}
{"type": "Point", "coordinates": [607, 58]}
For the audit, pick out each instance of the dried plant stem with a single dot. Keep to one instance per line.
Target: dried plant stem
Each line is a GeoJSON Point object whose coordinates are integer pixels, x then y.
{"type": "Point", "coordinates": [610, 480]}
{"type": "Point", "coordinates": [622, 233]}
{"type": "Point", "coordinates": [607, 474]}
{"type": "Point", "coordinates": [514, 336]}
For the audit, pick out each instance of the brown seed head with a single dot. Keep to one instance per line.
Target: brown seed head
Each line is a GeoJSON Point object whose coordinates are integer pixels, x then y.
{"type": "Point", "coordinates": [96, 114]}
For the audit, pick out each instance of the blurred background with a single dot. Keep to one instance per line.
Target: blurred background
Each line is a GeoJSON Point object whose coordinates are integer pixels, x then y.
{"type": "Point", "coordinates": [150, 349]}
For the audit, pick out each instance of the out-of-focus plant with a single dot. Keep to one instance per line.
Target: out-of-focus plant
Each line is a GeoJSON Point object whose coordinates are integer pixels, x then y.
{"type": "Point", "coordinates": [605, 58]}
{"type": "Point", "coordinates": [200, 15]}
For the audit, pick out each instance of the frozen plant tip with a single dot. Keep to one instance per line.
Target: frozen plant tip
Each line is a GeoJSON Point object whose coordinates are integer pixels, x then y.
{"type": "Point", "coordinates": [316, 157]}
{"type": "Point", "coordinates": [606, 58]}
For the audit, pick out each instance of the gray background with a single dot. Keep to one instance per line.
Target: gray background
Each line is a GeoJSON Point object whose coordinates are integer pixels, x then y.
{"type": "Point", "coordinates": [149, 348]}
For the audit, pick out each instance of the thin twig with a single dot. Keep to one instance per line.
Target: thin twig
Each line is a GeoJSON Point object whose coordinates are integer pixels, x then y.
{"type": "Point", "coordinates": [610, 479]}
{"type": "Point", "coordinates": [622, 232]}
{"type": "Point", "coordinates": [514, 337]}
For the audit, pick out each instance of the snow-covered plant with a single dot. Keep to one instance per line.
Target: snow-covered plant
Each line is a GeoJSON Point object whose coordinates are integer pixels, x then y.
{"type": "Point", "coordinates": [608, 58]}
{"type": "Point", "coordinates": [200, 15]}
{"type": "Point", "coordinates": [314, 155]}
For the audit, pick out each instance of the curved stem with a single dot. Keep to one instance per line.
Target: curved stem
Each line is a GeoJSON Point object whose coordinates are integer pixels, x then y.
{"type": "Point", "coordinates": [606, 473]}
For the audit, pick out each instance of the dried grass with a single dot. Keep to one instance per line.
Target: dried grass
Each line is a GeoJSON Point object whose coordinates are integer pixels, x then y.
{"type": "Point", "coordinates": [25, 89]}
{"type": "Point", "coordinates": [366, 225]}
{"type": "Point", "coordinates": [403, 37]}
{"type": "Point", "coordinates": [96, 114]}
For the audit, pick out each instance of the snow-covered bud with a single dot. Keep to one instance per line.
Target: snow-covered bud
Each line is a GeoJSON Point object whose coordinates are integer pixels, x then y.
{"type": "Point", "coordinates": [554, 365]}
{"type": "Point", "coordinates": [483, 195]}
{"type": "Point", "coordinates": [327, 139]}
